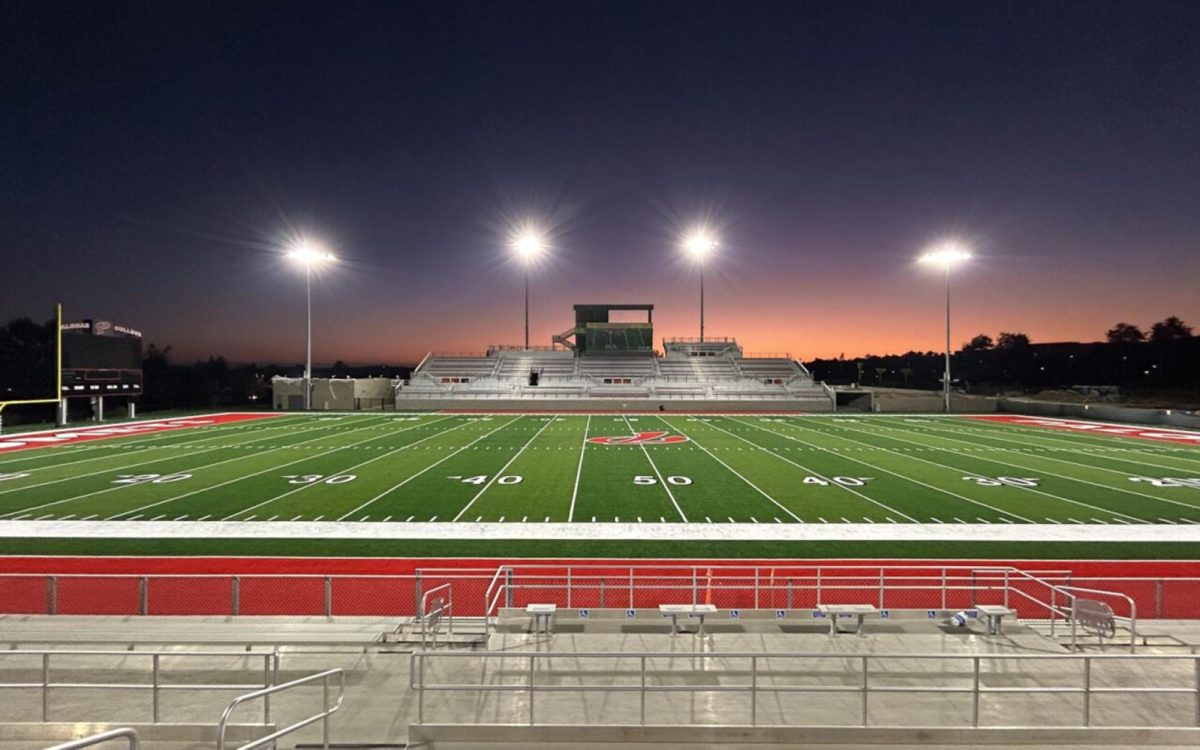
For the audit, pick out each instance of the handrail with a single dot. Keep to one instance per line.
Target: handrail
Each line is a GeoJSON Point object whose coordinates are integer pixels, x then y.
{"type": "Point", "coordinates": [266, 693]}
{"type": "Point", "coordinates": [270, 670]}
{"type": "Point", "coordinates": [435, 617]}
{"type": "Point", "coordinates": [135, 742]}
{"type": "Point", "coordinates": [863, 687]}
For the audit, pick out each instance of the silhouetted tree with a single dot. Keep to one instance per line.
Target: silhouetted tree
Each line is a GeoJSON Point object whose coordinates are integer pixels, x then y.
{"type": "Point", "coordinates": [979, 343]}
{"type": "Point", "coordinates": [1125, 333]}
{"type": "Point", "coordinates": [1170, 329]}
{"type": "Point", "coordinates": [1012, 341]}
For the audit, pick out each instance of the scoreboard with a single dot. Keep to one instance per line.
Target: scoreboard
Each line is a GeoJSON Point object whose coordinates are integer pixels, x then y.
{"type": "Point", "coordinates": [620, 337]}
{"type": "Point", "coordinates": [100, 358]}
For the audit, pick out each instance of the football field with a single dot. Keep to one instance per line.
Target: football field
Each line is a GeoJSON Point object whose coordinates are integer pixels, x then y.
{"type": "Point", "coordinates": [645, 469]}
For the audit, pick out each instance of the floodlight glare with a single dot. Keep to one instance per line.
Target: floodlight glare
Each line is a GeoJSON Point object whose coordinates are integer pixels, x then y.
{"type": "Point", "coordinates": [529, 244]}
{"type": "Point", "coordinates": [947, 255]}
{"type": "Point", "coordinates": [309, 254]}
{"type": "Point", "coordinates": [700, 244]}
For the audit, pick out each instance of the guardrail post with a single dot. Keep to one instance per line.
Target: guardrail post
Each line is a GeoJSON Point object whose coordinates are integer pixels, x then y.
{"type": "Point", "coordinates": [154, 689]}
{"type": "Point", "coordinates": [944, 588]}
{"type": "Point", "coordinates": [508, 588]}
{"type": "Point", "coordinates": [1196, 667]}
{"type": "Point", "coordinates": [974, 588]}
{"type": "Point", "coordinates": [789, 593]}
{"type": "Point", "coordinates": [569, 598]}
{"type": "Point", "coordinates": [267, 682]}
{"type": "Point", "coordinates": [1053, 608]}
{"type": "Point", "coordinates": [51, 595]}
{"type": "Point", "coordinates": [235, 605]}
{"type": "Point", "coordinates": [642, 720]}
{"type": "Point", "coordinates": [756, 587]}
{"type": "Point", "coordinates": [531, 690]}
{"type": "Point", "coordinates": [45, 687]}
{"type": "Point", "coordinates": [1158, 599]}
{"type": "Point", "coordinates": [865, 691]}
{"type": "Point", "coordinates": [1087, 691]}
{"type": "Point", "coordinates": [1006, 588]}
{"type": "Point", "coordinates": [601, 592]}
{"type": "Point", "coordinates": [419, 615]}
{"type": "Point", "coordinates": [143, 596]}
{"type": "Point", "coordinates": [881, 588]}
{"type": "Point", "coordinates": [753, 691]}
{"type": "Point", "coordinates": [695, 587]}
{"type": "Point", "coordinates": [975, 695]}
{"type": "Point", "coordinates": [421, 688]}
{"type": "Point", "coordinates": [328, 596]}
{"type": "Point", "coordinates": [325, 710]}
{"type": "Point", "coordinates": [631, 587]}
{"type": "Point", "coordinates": [818, 587]}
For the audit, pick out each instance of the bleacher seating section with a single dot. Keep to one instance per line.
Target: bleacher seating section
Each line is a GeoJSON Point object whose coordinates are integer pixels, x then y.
{"type": "Point", "coordinates": [710, 371]}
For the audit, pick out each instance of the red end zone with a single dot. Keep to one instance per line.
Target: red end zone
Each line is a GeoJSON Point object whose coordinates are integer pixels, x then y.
{"type": "Point", "coordinates": [64, 437]}
{"type": "Point", "coordinates": [1182, 437]}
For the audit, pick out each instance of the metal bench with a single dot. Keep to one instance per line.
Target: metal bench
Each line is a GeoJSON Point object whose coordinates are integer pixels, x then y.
{"type": "Point", "coordinates": [833, 611]}
{"type": "Point", "coordinates": [691, 610]}
{"type": "Point", "coordinates": [1095, 617]}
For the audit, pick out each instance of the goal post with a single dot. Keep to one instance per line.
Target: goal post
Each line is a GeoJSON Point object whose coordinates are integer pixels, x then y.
{"type": "Point", "coordinates": [57, 398]}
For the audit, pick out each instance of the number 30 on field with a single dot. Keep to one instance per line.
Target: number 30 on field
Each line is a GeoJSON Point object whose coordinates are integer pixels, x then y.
{"type": "Point", "coordinates": [678, 481]}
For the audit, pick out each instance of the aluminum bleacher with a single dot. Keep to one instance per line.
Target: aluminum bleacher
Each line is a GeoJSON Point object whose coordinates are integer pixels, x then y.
{"type": "Point", "coordinates": [688, 374]}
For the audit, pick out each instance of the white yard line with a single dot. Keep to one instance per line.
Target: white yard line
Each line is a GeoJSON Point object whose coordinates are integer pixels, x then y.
{"type": "Point", "coordinates": [785, 459]}
{"type": "Point", "coordinates": [158, 457]}
{"type": "Point", "coordinates": [356, 466]}
{"type": "Point", "coordinates": [662, 482]}
{"type": "Point", "coordinates": [256, 473]}
{"type": "Point", "coordinates": [752, 485]}
{"type": "Point", "coordinates": [1021, 467]}
{"type": "Point", "coordinates": [501, 471]}
{"type": "Point", "coordinates": [886, 471]}
{"type": "Point", "coordinates": [579, 471]}
{"type": "Point", "coordinates": [395, 487]}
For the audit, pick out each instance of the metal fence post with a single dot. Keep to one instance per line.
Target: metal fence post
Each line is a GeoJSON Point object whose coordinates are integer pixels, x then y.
{"type": "Point", "coordinates": [1158, 598]}
{"type": "Point", "coordinates": [975, 695]}
{"type": "Point", "coordinates": [236, 596]}
{"type": "Point", "coordinates": [789, 593]}
{"type": "Point", "coordinates": [325, 710]}
{"type": "Point", "coordinates": [143, 596]}
{"type": "Point", "coordinates": [865, 691]}
{"type": "Point", "coordinates": [1006, 588]}
{"type": "Point", "coordinates": [52, 595]}
{"type": "Point", "coordinates": [944, 588]}
{"type": "Point", "coordinates": [531, 690]}
{"type": "Point", "coordinates": [268, 660]}
{"type": "Point", "coordinates": [508, 588]}
{"type": "Point", "coordinates": [154, 688]}
{"type": "Point", "coordinates": [569, 598]}
{"type": "Point", "coordinates": [881, 588]}
{"type": "Point", "coordinates": [45, 687]}
{"type": "Point", "coordinates": [642, 720]}
{"type": "Point", "coordinates": [417, 592]}
{"type": "Point", "coordinates": [756, 587]}
{"type": "Point", "coordinates": [631, 587]}
{"type": "Point", "coordinates": [818, 587]}
{"type": "Point", "coordinates": [695, 587]}
{"type": "Point", "coordinates": [328, 596]}
{"type": "Point", "coordinates": [601, 592]}
{"type": "Point", "coordinates": [753, 691]}
{"type": "Point", "coordinates": [1087, 691]}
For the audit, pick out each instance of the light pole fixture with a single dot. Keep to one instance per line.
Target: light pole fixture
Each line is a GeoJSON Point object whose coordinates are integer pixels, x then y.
{"type": "Point", "coordinates": [699, 245]}
{"type": "Point", "coordinates": [946, 256]}
{"type": "Point", "coordinates": [528, 244]}
{"type": "Point", "coordinates": [310, 256]}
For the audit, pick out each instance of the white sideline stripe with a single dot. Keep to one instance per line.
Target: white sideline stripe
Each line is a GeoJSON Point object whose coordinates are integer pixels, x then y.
{"type": "Point", "coordinates": [752, 485]}
{"type": "Point", "coordinates": [501, 470]}
{"type": "Point", "coordinates": [579, 471]}
{"type": "Point", "coordinates": [397, 486]}
{"type": "Point", "coordinates": [966, 532]}
{"type": "Point", "coordinates": [658, 474]}
{"type": "Point", "coordinates": [785, 459]}
{"type": "Point", "coordinates": [1021, 467]}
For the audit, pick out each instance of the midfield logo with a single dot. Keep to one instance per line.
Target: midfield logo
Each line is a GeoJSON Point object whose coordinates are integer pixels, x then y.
{"type": "Point", "coordinates": [642, 438]}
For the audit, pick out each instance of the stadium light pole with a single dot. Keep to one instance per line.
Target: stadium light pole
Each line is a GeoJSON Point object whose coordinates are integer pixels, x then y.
{"type": "Point", "coordinates": [309, 256]}
{"type": "Point", "coordinates": [700, 245]}
{"type": "Point", "coordinates": [946, 256]}
{"type": "Point", "coordinates": [528, 245]}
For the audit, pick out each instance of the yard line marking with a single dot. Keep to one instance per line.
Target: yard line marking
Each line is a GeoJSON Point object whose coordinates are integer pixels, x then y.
{"type": "Point", "coordinates": [579, 470]}
{"type": "Point", "coordinates": [500, 472]}
{"type": "Point", "coordinates": [385, 520]}
{"type": "Point", "coordinates": [272, 518]}
{"type": "Point", "coordinates": [1096, 439]}
{"type": "Point", "coordinates": [737, 474]}
{"type": "Point", "coordinates": [1023, 467]}
{"type": "Point", "coordinates": [125, 467]}
{"type": "Point", "coordinates": [785, 459]}
{"type": "Point", "coordinates": [297, 518]}
{"type": "Point", "coordinates": [348, 469]}
{"type": "Point", "coordinates": [440, 461]}
{"type": "Point", "coordinates": [204, 518]}
{"type": "Point", "coordinates": [88, 518]}
{"type": "Point", "coordinates": [1078, 449]}
{"type": "Point", "coordinates": [197, 468]}
{"type": "Point", "coordinates": [658, 474]}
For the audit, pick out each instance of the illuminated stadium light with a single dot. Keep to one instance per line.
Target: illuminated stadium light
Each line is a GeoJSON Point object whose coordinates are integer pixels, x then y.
{"type": "Point", "coordinates": [310, 255]}
{"type": "Point", "coordinates": [699, 245]}
{"type": "Point", "coordinates": [946, 256]}
{"type": "Point", "coordinates": [528, 243]}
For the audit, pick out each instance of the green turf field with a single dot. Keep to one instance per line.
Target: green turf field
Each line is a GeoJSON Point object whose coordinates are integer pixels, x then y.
{"type": "Point", "coordinates": [539, 468]}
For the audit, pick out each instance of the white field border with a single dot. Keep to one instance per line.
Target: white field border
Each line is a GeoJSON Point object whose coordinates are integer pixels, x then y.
{"type": "Point", "coordinates": [694, 532]}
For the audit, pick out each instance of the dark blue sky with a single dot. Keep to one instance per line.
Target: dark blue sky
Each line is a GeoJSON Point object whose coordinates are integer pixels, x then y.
{"type": "Point", "coordinates": [155, 155]}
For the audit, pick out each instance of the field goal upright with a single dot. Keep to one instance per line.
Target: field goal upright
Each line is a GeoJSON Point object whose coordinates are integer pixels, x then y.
{"type": "Point", "coordinates": [57, 397]}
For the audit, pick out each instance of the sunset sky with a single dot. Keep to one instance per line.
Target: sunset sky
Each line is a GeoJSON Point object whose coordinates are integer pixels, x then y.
{"type": "Point", "coordinates": [157, 157]}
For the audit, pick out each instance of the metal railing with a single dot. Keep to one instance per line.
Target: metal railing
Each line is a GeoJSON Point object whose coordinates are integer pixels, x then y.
{"type": "Point", "coordinates": [270, 672]}
{"type": "Point", "coordinates": [265, 694]}
{"type": "Point", "coordinates": [763, 674]}
{"type": "Point", "coordinates": [443, 608]}
{"type": "Point", "coordinates": [129, 735]}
